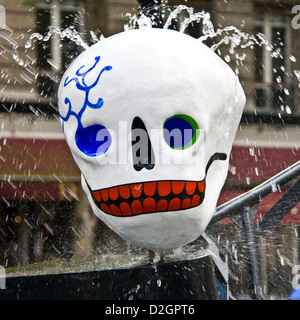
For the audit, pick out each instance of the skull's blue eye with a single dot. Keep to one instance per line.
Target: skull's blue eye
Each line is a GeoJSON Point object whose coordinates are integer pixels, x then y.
{"type": "Point", "coordinates": [180, 131]}
{"type": "Point", "coordinates": [93, 140]}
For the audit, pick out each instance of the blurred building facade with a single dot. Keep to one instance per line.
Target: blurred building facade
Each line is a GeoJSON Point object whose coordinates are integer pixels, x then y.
{"type": "Point", "coordinates": [40, 183]}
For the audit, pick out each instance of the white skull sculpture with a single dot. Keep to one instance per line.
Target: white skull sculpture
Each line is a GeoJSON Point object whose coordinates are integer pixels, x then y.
{"type": "Point", "coordinates": [150, 116]}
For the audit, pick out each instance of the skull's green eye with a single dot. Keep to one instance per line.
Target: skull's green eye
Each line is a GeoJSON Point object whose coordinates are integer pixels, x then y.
{"type": "Point", "coordinates": [180, 131]}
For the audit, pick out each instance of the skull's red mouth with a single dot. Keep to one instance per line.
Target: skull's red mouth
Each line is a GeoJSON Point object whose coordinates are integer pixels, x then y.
{"type": "Point", "coordinates": [152, 196]}
{"type": "Point", "coordinates": [148, 197]}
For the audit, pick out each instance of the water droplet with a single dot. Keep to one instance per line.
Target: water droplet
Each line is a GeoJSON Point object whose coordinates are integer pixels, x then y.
{"type": "Point", "coordinates": [288, 110]}
{"type": "Point", "coordinates": [274, 187]}
{"type": "Point", "coordinates": [278, 79]}
{"type": "Point", "coordinates": [232, 169]}
{"type": "Point", "coordinates": [227, 58]}
{"type": "Point", "coordinates": [297, 74]}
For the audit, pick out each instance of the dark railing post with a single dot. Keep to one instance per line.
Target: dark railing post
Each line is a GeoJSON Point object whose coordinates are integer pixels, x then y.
{"type": "Point", "coordinates": [251, 261]}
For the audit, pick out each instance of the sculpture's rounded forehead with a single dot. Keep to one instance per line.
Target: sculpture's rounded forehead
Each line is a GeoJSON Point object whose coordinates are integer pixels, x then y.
{"type": "Point", "coordinates": [150, 58]}
{"type": "Point", "coordinates": [155, 70]}
{"type": "Point", "coordinates": [161, 49]}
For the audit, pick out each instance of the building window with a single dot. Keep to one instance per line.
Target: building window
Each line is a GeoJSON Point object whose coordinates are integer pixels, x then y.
{"type": "Point", "coordinates": [55, 55]}
{"type": "Point", "coordinates": [273, 89]}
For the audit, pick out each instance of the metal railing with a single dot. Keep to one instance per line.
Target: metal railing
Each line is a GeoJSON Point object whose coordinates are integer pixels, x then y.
{"type": "Point", "coordinates": [242, 209]}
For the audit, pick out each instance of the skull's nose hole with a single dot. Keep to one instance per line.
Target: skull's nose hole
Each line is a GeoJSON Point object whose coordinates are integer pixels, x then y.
{"type": "Point", "coordinates": [142, 151]}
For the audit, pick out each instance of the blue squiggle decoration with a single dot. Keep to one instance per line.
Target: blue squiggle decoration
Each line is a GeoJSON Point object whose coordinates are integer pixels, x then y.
{"type": "Point", "coordinates": [93, 140]}
{"type": "Point", "coordinates": [84, 87]}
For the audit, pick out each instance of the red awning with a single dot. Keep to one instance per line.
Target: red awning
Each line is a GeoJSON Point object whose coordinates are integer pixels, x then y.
{"type": "Point", "coordinates": [254, 165]}
{"type": "Point", "coordinates": [28, 159]}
